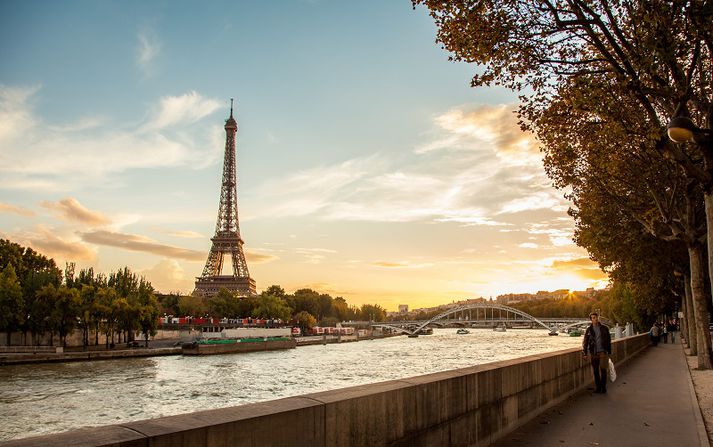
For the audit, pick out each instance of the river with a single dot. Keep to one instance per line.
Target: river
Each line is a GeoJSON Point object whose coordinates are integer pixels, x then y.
{"type": "Point", "coordinates": [55, 397]}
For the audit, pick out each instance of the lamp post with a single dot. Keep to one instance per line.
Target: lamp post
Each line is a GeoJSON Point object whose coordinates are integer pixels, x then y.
{"type": "Point", "coordinates": [681, 130]}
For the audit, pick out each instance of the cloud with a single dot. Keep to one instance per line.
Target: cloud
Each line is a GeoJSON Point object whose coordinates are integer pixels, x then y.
{"type": "Point", "coordinates": [578, 262]}
{"type": "Point", "coordinates": [15, 113]}
{"type": "Point", "coordinates": [143, 244]}
{"type": "Point", "coordinates": [400, 264]}
{"type": "Point", "coordinates": [186, 234]}
{"type": "Point", "coordinates": [559, 231]}
{"type": "Point", "coordinates": [181, 110]}
{"type": "Point", "coordinates": [314, 255]}
{"type": "Point", "coordinates": [78, 126]}
{"type": "Point", "coordinates": [548, 200]}
{"type": "Point", "coordinates": [528, 245]}
{"type": "Point", "coordinates": [254, 257]}
{"type": "Point", "coordinates": [469, 217]}
{"type": "Point", "coordinates": [70, 209]}
{"type": "Point", "coordinates": [7, 208]}
{"type": "Point", "coordinates": [583, 267]}
{"type": "Point", "coordinates": [493, 125]}
{"type": "Point", "coordinates": [147, 50]}
{"type": "Point", "coordinates": [51, 157]}
{"type": "Point", "coordinates": [53, 243]}
{"type": "Point", "coordinates": [310, 191]}
{"type": "Point", "coordinates": [475, 168]}
{"type": "Point", "coordinates": [168, 276]}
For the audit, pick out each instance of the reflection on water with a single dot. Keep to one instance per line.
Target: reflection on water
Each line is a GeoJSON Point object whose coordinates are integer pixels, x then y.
{"type": "Point", "coordinates": [50, 398]}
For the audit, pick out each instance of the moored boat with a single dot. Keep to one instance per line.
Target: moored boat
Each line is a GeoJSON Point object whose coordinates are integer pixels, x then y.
{"type": "Point", "coordinates": [235, 345]}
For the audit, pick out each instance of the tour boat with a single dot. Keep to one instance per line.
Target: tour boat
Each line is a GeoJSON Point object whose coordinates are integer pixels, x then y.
{"type": "Point", "coordinates": [462, 331]}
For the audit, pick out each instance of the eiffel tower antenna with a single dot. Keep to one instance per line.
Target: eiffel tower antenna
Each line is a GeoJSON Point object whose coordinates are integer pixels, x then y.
{"type": "Point", "coordinates": [227, 240]}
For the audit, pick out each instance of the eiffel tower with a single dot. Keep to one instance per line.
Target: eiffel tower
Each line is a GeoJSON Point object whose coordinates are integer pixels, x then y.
{"type": "Point", "coordinates": [227, 240]}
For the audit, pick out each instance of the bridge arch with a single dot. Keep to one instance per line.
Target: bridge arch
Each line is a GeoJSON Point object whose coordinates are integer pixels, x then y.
{"type": "Point", "coordinates": [481, 306]}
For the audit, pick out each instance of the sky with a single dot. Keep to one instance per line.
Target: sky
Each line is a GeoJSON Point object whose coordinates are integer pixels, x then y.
{"type": "Point", "coordinates": [367, 166]}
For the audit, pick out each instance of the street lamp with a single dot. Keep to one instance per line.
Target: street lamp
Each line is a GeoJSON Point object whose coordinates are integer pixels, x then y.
{"type": "Point", "coordinates": [681, 130]}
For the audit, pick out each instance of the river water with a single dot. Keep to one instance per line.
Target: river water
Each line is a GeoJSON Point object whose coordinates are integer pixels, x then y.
{"type": "Point", "coordinates": [50, 398]}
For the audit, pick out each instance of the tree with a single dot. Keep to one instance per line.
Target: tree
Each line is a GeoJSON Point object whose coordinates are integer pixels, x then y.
{"type": "Point", "coordinates": [305, 300]}
{"type": "Point", "coordinates": [275, 290]}
{"type": "Point", "coordinates": [147, 310]}
{"type": "Point", "coordinates": [26, 262]}
{"type": "Point", "coordinates": [124, 281]}
{"type": "Point", "coordinates": [341, 309]}
{"type": "Point", "coordinates": [65, 312]}
{"type": "Point", "coordinates": [372, 312]}
{"type": "Point", "coordinates": [33, 271]}
{"type": "Point", "coordinates": [11, 302]}
{"type": "Point", "coordinates": [271, 307]}
{"type": "Point", "coordinates": [169, 303]}
{"type": "Point", "coordinates": [652, 57]}
{"type": "Point", "coordinates": [192, 306]}
{"type": "Point", "coordinates": [107, 312]}
{"type": "Point", "coordinates": [87, 308]}
{"type": "Point", "coordinates": [305, 320]}
{"type": "Point", "coordinates": [224, 305]}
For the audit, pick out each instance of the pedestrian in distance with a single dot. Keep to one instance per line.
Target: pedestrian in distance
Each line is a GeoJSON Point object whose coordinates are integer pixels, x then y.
{"type": "Point", "coordinates": [664, 329]}
{"type": "Point", "coordinates": [672, 330]}
{"type": "Point", "coordinates": [655, 334]}
{"type": "Point", "coordinates": [597, 346]}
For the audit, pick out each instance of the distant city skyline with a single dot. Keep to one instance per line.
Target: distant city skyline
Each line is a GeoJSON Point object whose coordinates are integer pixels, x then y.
{"type": "Point", "coordinates": [367, 167]}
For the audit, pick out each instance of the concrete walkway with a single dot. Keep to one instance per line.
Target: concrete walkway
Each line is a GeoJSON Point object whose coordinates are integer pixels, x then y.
{"type": "Point", "coordinates": [652, 403]}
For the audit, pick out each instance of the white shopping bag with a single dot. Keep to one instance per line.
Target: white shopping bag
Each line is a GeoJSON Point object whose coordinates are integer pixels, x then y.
{"type": "Point", "coordinates": [612, 371]}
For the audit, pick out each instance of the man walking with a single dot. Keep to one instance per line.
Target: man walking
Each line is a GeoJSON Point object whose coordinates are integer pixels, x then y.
{"type": "Point", "coordinates": [597, 343]}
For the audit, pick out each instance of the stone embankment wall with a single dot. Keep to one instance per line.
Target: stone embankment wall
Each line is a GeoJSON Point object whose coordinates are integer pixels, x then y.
{"type": "Point", "coordinates": [464, 407]}
{"type": "Point", "coordinates": [73, 339]}
{"type": "Point", "coordinates": [60, 356]}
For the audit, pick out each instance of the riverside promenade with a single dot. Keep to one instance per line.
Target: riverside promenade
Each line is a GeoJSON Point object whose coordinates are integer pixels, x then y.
{"type": "Point", "coordinates": [652, 403]}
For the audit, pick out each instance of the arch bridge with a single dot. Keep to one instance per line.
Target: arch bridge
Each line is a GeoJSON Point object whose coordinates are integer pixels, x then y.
{"type": "Point", "coordinates": [414, 328]}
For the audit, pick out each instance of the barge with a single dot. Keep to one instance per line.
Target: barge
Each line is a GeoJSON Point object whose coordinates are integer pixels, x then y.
{"type": "Point", "coordinates": [236, 345]}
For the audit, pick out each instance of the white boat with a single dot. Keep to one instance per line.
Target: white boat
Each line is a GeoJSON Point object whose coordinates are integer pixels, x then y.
{"type": "Point", "coordinates": [462, 331]}
{"type": "Point", "coordinates": [499, 329]}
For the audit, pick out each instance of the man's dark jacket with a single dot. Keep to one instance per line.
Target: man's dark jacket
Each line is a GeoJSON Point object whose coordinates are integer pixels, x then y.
{"type": "Point", "coordinates": [589, 344]}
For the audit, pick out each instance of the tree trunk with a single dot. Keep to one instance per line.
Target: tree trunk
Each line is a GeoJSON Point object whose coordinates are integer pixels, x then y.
{"type": "Point", "coordinates": [700, 306]}
{"type": "Point", "coordinates": [682, 325]}
{"type": "Point", "coordinates": [691, 336]}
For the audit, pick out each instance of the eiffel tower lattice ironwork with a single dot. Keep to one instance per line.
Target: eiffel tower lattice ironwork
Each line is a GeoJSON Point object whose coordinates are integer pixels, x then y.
{"type": "Point", "coordinates": [227, 240]}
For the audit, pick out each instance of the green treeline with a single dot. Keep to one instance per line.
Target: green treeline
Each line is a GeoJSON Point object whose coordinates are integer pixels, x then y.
{"type": "Point", "coordinates": [37, 299]}
{"type": "Point", "coordinates": [305, 307]}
